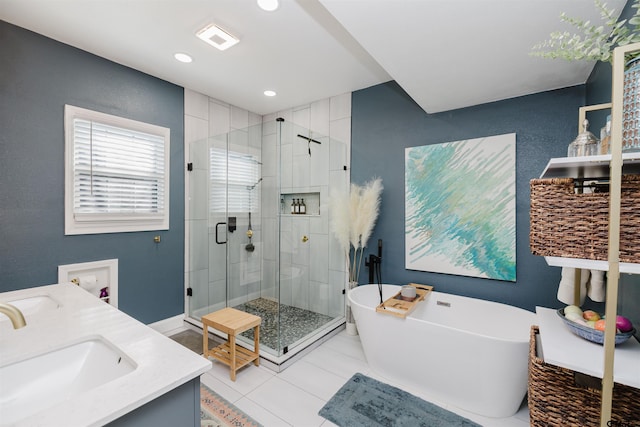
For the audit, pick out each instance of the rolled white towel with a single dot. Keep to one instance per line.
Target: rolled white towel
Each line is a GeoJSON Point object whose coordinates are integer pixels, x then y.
{"type": "Point", "coordinates": [595, 287]}
{"type": "Point", "coordinates": [565, 289]}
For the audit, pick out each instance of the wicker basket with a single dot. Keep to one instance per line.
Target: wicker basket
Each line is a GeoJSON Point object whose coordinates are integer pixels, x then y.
{"type": "Point", "coordinates": [558, 398]}
{"type": "Point", "coordinates": [570, 225]}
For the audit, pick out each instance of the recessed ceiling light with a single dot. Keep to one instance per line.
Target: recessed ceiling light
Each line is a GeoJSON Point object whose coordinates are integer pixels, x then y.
{"type": "Point", "coordinates": [269, 93]}
{"type": "Point", "coordinates": [268, 5]}
{"type": "Point", "coordinates": [183, 57]}
{"type": "Point", "coordinates": [217, 37]}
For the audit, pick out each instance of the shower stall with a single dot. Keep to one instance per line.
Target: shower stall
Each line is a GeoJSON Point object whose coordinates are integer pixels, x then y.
{"type": "Point", "coordinates": [248, 248]}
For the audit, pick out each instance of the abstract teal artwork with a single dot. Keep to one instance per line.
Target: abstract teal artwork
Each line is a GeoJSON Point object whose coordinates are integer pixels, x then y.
{"type": "Point", "coordinates": [460, 207]}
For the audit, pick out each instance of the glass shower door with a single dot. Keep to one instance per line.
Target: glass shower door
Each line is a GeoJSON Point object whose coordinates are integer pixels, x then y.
{"type": "Point", "coordinates": [312, 280]}
{"type": "Point", "coordinates": [225, 242]}
{"type": "Point", "coordinates": [207, 275]}
{"type": "Point", "coordinates": [244, 186]}
{"type": "Point", "coordinates": [252, 274]}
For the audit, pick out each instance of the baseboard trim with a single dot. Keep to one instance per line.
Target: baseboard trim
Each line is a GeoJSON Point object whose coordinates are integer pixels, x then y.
{"type": "Point", "coordinates": [169, 324]}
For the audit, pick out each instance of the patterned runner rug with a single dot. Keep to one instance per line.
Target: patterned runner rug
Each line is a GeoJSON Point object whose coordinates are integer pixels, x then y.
{"type": "Point", "coordinates": [215, 411]}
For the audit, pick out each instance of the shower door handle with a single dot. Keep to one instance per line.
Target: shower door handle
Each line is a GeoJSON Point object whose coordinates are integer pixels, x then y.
{"type": "Point", "coordinates": [218, 241]}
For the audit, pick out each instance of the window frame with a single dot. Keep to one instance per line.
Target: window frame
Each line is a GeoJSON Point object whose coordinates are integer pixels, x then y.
{"type": "Point", "coordinates": [98, 223]}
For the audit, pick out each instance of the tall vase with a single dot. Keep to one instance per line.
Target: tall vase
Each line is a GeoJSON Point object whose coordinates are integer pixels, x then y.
{"type": "Point", "coordinates": [631, 107]}
{"type": "Point", "coordinates": [351, 322]}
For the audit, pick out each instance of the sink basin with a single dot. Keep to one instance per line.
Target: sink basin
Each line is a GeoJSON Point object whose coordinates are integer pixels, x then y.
{"type": "Point", "coordinates": [35, 384]}
{"type": "Point", "coordinates": [31, 305]}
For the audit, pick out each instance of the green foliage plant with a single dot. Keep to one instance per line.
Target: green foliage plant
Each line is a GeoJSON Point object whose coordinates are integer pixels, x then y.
{"type": "Point", "coordinates": [592, 41]}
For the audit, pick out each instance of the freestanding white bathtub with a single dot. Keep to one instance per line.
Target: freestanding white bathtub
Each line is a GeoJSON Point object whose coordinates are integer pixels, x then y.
{"type": "Point", "coordinates": [461, 351]}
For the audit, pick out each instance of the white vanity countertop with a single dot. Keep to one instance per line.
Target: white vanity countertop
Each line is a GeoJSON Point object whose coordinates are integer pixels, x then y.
{"type": "Point", "coordinates": [563, 348]}
{"type": "Point", "coordinates": [162, 364]}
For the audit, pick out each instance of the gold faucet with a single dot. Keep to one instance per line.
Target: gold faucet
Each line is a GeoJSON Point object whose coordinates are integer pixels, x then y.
{"type": "Point", "coordinates": [14, 314]}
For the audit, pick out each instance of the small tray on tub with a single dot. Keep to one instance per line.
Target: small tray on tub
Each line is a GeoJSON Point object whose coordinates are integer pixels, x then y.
{"type": "Point", "coordinates": [400, 307]}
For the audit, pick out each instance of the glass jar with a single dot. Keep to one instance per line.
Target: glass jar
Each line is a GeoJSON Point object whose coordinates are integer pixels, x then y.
{"type": "Point", "coordinates": [631, 107]}
{"type": "Point", "coordinates": [605, 137]}
{"type": "Point", "coordinates": [585, 144]}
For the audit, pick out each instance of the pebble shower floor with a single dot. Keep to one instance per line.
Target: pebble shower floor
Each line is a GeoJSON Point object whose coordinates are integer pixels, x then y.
{"type": "Point", "coordinates": [296, 322]}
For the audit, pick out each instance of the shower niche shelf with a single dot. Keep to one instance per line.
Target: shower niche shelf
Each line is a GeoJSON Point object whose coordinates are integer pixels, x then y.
{"type": "Point", "coordinates": [311, 200]}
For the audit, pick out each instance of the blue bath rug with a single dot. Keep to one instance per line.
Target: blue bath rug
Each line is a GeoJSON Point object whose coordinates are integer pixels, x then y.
{"type": "Point", "coordinates": [363, 401]}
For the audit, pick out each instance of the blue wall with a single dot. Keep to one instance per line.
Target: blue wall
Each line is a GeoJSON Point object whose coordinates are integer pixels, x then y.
{"type": "Point", "coordinates": [385, 120]}
{"type": "Point", "coordinates": [38, 76]}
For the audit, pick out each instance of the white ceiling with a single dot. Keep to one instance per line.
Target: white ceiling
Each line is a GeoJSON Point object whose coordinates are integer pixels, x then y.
{"type": "Point", "coordinates": [445, 54]}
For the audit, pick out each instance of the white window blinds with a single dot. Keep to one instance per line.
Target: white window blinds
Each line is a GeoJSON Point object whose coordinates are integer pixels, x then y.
{"type": "Point", "coordinates": [118, 170]}
{"type": "Point", "coordinates": [234, 177]}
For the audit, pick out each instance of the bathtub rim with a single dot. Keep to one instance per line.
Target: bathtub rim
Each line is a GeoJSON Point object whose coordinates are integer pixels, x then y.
{"type": "Point", "coordinates": [435, 293]}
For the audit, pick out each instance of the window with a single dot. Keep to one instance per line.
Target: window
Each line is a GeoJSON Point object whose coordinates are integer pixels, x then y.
{"type": "Point", "coordinates": [116, 174]}
{"type": "Point", "coordinates": [236, 175]}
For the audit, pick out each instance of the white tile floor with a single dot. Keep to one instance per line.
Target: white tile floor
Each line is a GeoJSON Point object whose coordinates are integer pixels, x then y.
{"type": "Point", "coordinates": [294, 397]}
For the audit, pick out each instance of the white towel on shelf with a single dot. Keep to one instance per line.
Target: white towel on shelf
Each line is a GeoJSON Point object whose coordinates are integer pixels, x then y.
{"type": "Point", "coordinates": [591, 284]}
{"type": "Point", "coordinates": [595, 287]}
{"type": "Point", "coordinates": [567, 281]}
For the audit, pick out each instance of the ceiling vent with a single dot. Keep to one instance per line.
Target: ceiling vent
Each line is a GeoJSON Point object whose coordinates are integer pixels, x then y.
{"type": "Point", "coordinates": [217, 37]}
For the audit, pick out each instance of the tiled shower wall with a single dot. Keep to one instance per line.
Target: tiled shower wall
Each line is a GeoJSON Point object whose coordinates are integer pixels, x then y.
{"type": "Point", "coordinates": [314, 272]}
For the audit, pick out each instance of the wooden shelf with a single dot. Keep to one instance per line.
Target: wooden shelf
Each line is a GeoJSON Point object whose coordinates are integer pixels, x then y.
{"type": "Point", "coordinates": [223, 354]}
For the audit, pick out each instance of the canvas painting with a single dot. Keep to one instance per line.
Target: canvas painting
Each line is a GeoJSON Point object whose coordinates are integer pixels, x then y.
{"type": "Point", "coordinates": [460, 207]}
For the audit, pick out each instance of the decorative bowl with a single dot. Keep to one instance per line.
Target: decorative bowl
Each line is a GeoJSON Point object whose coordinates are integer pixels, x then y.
{"type": "Point", "coordinates": [591, 334]}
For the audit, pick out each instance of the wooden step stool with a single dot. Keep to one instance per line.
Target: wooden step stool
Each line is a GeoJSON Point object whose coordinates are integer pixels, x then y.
{"type": "Point", "coordinates": [232, 322]}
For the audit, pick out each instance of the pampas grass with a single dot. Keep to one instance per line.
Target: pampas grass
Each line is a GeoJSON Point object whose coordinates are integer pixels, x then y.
{"type": "Point", "coordinates": [368, 213]}
{"type": "Point", "coordinates": [353, 217]}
